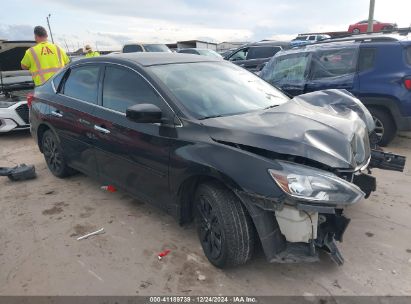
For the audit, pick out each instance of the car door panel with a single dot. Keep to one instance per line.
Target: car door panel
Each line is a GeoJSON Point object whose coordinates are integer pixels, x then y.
{"type": "Point", "coordinates": [74, 128]}
{"type": "Point", "coordinates": [73, 119]}
{"type": "Point", "coordinates": [333, 69]}
{"type": "Point", "coordinates": [133, 156]}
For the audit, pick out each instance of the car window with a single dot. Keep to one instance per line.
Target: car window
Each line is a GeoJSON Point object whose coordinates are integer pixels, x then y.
{"type": "Point", "coordinates": [239, 55]}
{"type": "Point", "coordinates": [123, 88]}
{"type": "Point", "coordinates": [156, 48]}
{"type": "Point", "coordinates": [301, 38]}
{"type": "Point", "coordinates": [290, 68]}
{"type": "Point", "coordinates": [311, 38]}
{"type": "Point", "coordinates": [262, 52]}
{"type": "Point", "coordinates": [366, 59]}
{"type": "Point", "coordinates": [409, 55]}
{"type": "Point", "coordinates": [131, 48]}
{"type": "Point", "coordinates": [217, 88]}
{"type": "Point", "coordinates": [332, 63]}
{"type": "Point", "coordinates": [82, 83]}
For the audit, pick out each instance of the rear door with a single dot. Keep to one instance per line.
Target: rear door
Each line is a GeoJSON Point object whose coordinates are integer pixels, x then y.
{"type": "Point", "coordinates": [133, 156]}
{"type": "Point", "coordinates": [333, 69]}
{"type": "Point", "coordinates": [72, 115]}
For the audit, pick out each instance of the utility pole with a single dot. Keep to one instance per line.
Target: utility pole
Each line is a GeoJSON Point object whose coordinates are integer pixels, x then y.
{"type": "Point", "coordinates": [370, 28]}
{"type": "Point", "coordinates": [48, 23]}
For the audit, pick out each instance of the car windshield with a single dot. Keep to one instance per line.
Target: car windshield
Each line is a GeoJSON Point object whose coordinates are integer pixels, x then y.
{"type": "Point", "coordinates": [156, 48]}
{"type": "Point", "coordinates": [209, 53]}
{"type": "Point", "coordinates": [212, 89]}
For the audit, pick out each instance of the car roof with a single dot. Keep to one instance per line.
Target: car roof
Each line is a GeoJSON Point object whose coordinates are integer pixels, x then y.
{"type": "Point", "coordinates": [268, 43]}
{"type": "Point", "coordinates": [152, 58]}
{"type": "Point", "coordinates": [359, 39]}
{"type": "Point", "coordinates": [196, 49]}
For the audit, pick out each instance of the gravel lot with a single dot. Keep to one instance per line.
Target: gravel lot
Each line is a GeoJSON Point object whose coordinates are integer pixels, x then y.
{"type": "Point", "coordinates": [39, 253]}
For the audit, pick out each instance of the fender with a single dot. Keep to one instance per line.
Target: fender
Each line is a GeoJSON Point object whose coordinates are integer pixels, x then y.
{"type": "Point", "coordinates": [384, 102]}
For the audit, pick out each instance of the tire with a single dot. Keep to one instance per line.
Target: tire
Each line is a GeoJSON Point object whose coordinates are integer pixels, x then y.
{"type": "Point", "coordinates": [53, 154]}
{"type": "Point", "coordinates": [225, 229]}
{"type": "Point", "coordinates": [385, 127]}
{"type": "Point", "coordinates": [356, 31]}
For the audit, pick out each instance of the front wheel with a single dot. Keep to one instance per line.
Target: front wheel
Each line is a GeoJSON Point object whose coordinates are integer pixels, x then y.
{"type": "Point", "coordinates": [53, 154]}
{"type": "Point", "coordinates": [224, 227]}
{"type": "Point", "coordinates": [356, 31]}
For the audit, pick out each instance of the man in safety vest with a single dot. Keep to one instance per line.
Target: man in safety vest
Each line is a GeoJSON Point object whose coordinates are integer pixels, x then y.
{"type": "Point", "coordinates": [44, 59]}
{"type": "Point", "coordinates": [90, 53]}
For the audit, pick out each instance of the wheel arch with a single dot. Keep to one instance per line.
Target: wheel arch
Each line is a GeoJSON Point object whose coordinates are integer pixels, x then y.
{"type": "Point", "coordinates": [42, 128]}
{"type": "Point", "coordinates": [383, 103]}
{"type": "Point", "coordinates": [187, 189]}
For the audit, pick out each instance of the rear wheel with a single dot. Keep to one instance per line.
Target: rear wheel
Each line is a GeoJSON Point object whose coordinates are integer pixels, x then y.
{"type": "Point", "coordinates": [385, 127]}
{"type": "Point", "coordinates": [53, 154]}
{"type": "Point", "coordinates": [355, 31]}
{"type": "Point", "coordinates": [224, 227]}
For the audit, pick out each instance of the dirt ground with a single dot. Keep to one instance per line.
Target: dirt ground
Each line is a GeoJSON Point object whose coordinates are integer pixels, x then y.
{"type": "Point", "coordinates": [39, 253]}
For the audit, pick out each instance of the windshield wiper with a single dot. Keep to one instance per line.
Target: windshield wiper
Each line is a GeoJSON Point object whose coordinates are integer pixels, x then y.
{"type": "Point", "coordinates": [272, 106]}
{"type": "Point", "coordinates": [211, 116]}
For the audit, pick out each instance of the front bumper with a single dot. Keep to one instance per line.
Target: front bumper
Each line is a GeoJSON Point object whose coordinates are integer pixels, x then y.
{"type": "Point", "coordinates": [15, 117]}
{"type": "Point", "coordinates": [293, 234]}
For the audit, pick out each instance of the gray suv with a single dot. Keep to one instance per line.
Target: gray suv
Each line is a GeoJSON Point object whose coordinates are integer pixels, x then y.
{"type": "Point", "coordinates": [255, 56]}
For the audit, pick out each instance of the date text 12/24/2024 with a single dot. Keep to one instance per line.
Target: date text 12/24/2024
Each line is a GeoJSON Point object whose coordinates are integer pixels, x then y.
{"type": "Point", "coordinates": [203, 299]}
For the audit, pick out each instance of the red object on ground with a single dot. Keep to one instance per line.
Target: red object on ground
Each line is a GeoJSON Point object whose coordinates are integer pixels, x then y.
{"type": "Point", "coordinates": [109, 188]}
{"type": "Point", "coordinates": [163, 254]}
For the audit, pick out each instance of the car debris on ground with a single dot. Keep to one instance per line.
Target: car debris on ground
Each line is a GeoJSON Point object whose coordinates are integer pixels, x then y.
{"type": "Point", "coordinates": [19, 172]}
{"type": "Point", "coordinates": [100, 231]}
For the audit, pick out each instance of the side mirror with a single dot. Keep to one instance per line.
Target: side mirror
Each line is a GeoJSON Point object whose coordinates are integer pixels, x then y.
{"type": "Point", "coordinates": [144, 113]}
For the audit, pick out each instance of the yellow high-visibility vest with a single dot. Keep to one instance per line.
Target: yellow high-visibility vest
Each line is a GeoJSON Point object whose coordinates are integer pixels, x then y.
{"type": "Point", "coordinates": [92, 54]}
{"type": "Point", "coordinates": [44, 60]}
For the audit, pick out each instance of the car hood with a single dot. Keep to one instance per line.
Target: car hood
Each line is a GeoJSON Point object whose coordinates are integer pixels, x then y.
{"type": "Point", "coordinates": [330, 127]}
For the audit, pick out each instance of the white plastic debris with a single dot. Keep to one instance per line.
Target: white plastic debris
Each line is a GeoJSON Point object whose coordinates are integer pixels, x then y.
{"type": "Point", "coordinates": [90, 234]}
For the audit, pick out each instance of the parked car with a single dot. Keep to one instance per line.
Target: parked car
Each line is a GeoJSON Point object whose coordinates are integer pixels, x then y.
{"type": "Point", "coordinates": [254, 56]}
{"type": "Point", "coordinates": [203, 52]}
{"type": "Point", "coordinates": [145, 47]}
{"type": "Point", "coordinates": [376, 69]}
{"type": "Point", "coordinates": [14, 86]}
{"type": "Point", "coordinates": [301, 40]}
{"type": "Point", "coordinates": [362, 26]}
{"type": "Point", "coordinates": [241, 159]}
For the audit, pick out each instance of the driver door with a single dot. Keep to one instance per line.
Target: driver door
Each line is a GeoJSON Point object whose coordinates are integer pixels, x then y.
{"type": "Point", "coordinates": [132, 156]}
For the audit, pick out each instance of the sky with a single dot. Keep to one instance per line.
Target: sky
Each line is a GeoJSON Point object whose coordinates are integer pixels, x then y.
{"type": "Point", "coordinates": [107, 25]}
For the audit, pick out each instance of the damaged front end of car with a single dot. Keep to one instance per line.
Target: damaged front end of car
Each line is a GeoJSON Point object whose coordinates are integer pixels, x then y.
{"type": "Point", "coordinates": [310, 213]}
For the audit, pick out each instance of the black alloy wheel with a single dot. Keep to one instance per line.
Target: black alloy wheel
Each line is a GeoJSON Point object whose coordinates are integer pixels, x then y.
{"type": "Point", "coordinates": [210, 229]}
{"type": "Point", "coordinates": [224, 227]}
{"type": "Point", "coordinates": [53, 154]}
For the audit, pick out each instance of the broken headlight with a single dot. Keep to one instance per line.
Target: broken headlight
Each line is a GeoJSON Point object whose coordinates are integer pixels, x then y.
{"type": "Point", "coordinates": [314, 185]}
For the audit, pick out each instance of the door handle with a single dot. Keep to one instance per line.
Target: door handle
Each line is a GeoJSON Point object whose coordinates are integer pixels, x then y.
{"type": "Point", "coordinates": [57, 114]}
{"type": "Point", "coordinates": [101, 129]}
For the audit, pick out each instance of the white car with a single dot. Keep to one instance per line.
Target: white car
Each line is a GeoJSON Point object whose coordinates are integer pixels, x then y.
{"type": "Point", "coordinates": [14, 112]}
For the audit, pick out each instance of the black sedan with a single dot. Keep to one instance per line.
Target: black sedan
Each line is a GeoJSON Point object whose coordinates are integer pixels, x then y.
{"type": "Point", "coordinates": [208, 141]}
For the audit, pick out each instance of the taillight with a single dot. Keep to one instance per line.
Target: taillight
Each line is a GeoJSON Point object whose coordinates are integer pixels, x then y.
{"type": "Point", "coordinates": [30, 98]}
{"type": "Point", "coordinates": [407, 83]}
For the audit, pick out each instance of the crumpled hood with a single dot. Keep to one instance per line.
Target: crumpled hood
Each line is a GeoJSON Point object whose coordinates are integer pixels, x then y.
{"type": "Point", "coordinates": [329, 127]}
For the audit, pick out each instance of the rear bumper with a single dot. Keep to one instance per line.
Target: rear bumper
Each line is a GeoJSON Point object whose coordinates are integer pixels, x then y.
{"type": "Point", "coordinates": [15, 117]}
